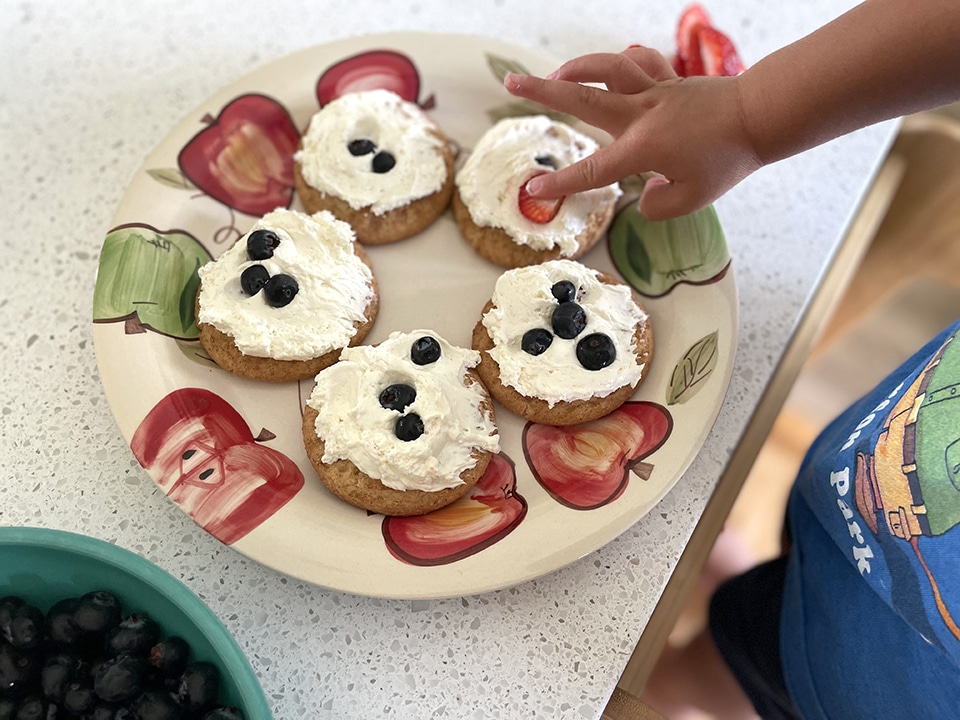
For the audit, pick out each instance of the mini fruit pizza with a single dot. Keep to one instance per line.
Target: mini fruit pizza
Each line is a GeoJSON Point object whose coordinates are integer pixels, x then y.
{"type": "Point", "coordinates": [283, 302]}
{"type": "Point", "coordinates": [499, 218]}
{"type": "Point", "coordinates": [562, 344]}
{"type": "Point", "coordinates": [377, 162]}
{"type": "Point", "coordinates": [403, 427]}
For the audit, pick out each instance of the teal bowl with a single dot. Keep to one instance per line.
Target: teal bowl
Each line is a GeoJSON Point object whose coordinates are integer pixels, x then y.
{"type": "Point", "coordinates": [43, 566]}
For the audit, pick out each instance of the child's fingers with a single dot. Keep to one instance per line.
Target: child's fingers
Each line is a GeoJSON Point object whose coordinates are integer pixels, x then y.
{"type": "Point", "coordinates": [594, 106]}
{"type": "Point", "coordinates": [604, 167]}
{"type": "Point", "coordinates": [615, 70]}
{"type": "Point", "coordinates": [652, 62]}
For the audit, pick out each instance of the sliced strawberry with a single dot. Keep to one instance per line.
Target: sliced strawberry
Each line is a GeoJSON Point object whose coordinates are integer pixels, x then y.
{"type": "Point", "coordinates": [537, 210]}
{"type": "Point", "coordinates": [688, 43]}
{"type": "Point", "coordinates": [719, 56]}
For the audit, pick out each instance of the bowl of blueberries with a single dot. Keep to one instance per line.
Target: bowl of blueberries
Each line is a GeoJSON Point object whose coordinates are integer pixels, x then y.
{"type": "Point", "coordinates": [92, 631]}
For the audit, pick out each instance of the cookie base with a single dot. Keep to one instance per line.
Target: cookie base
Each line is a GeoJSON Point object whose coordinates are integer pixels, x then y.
{"type": "Point", "coordinates": [393, 225]}
{"type": "Point", "coordinates": [495, 245]}
{"type": "Point", "coordinates": [349, 483]}
{"type": "Point", "coordinates": [224, 352]}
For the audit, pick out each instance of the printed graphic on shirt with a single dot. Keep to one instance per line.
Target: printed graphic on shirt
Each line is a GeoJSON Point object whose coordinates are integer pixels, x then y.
{"type": "Point", "coordinates": [907, 489]}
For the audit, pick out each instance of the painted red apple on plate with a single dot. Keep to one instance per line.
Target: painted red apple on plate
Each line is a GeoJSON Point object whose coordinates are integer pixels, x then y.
{"type": "Point", "coordinates": [244, 157]}
{"type": "Point", "coordinates": [371, 70]}
{"type": "Point", "coordinates": [202, 454]}
{"type": "Point", "coordinates": [490, 511]}
{"type": "Point", "coordinates": [588, 466]}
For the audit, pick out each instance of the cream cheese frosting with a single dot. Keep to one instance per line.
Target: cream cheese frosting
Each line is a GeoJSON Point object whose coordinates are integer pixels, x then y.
{"type": "Point", "coordinates": [335, 289]}
{"type": "Point", "coordinates": [354, 426]}
{"type": "Point", "coordinates": [523, 300]}
{"type": "Point", "coordinates": [505, 158]}
{"type": "Point", "coordinates": [394, 126]}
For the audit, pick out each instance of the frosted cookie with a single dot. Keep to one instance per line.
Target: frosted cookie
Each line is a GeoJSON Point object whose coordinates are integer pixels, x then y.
{"type": "Point", "coordinates": [501, 221]}
{"type": "Point", "coordinates": [377, 162]}
{"type": "Point", "coordinates": [403, 427]}
{"type": "Point", "coordinates": [283, 302]}
{"type": "Point", "coordinates": [561, 343]}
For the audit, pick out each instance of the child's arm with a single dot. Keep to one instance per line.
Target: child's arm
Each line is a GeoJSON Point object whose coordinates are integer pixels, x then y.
{"type": "Point", "coordinates": [882, 59]}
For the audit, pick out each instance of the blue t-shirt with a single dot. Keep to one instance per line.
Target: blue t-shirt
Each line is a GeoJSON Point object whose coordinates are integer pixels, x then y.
{"type": "Point", "coordinates": [870, 626]}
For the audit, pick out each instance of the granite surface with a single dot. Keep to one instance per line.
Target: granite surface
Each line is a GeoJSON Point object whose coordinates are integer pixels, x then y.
{"type": "Point", "coordinates": [89, 88]}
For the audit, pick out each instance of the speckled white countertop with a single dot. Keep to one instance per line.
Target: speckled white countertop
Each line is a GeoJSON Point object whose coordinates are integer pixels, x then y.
{"type": "Point", "coordinates": [90, 87]}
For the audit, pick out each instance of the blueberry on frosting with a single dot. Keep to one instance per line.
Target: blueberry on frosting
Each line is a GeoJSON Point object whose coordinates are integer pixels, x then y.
{"type": "Point", "coordinates": [536, 341]}
{"type": "Point", "coordinates": [397, 397]}
{"type": "Point", "coordinates": [280, 290]}
{"type": "Point", "coordinates": [361, 146]}
{"type": "Point", "coordinates": [564, 291]}
{"type": "Point", "coordinates": [261, 244]}
{"type": "Point", "coordinates": [425, 350]}
{"type": "Point", "coordinates": [568, 320]}
{"type": "Point", "coordinates": [596, 351]}
{"type": "Point", "coordinates": [253, 279]}
{"type": "Point", "coordinates": [409, 427]}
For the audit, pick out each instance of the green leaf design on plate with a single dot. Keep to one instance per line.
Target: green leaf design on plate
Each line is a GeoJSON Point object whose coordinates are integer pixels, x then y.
{"type": "Point", "coordinates": [500, 66]}
{"type": "Point", "coordinates": [171, 177]}
{"type": "Point", "coordinates": [693, 369]}
{"type": "Point", "coordinates": [655, 256]}
{"type": "Point", "coordinates": [194, 352]}
{"type": "Point", "coordinates": [148, 279]}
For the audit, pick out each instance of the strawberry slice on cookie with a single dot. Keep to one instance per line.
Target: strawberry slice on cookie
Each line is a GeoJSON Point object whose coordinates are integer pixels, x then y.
{"type": "Point", "coordinates": [538, 210]}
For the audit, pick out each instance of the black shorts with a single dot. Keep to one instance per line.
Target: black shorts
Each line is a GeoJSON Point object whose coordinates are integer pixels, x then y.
{"type": "Point", "coordinates": [745, 624]}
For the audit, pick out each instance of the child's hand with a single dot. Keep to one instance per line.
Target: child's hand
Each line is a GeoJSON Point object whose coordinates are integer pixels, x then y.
{"type": "Point", "coordinates": [688, 130]}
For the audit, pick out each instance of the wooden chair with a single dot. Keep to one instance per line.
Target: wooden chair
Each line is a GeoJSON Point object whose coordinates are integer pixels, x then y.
{"type": "Point", "coordinates": [920, 233]}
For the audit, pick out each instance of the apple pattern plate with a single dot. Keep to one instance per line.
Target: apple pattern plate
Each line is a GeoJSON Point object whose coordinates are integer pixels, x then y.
{"type": "Point", "coordinates": [229, 451]}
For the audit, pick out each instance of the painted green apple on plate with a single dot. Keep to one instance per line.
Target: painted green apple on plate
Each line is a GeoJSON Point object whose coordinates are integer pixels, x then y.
{"type": "Point", "coordinates": [148, 280]}
{"type": "Point", "coordinates": [656, 256]}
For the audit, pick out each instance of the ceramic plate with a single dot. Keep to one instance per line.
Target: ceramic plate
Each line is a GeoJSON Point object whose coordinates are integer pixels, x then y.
{"type": "Point", "coordinates": [228, 451]}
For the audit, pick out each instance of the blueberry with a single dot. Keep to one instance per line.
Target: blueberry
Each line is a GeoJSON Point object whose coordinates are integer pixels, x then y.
{"type": "Point", "coordinates": [383, 162]}
{"type": "Point", "coordinates": [58, 672]}
{"type": "Point", "coordinates": [409, 427]}
{"type": "Point", "coordinates": [157, 705]}
{"type": "Point", "coordinates": [564, 291]}
{"type": "Point", "coordinates": [135, 634]}
{"type": "Point", "coordinates": [536, 341]}
{"type": "Point", "coordinates": [253, 278]}
{"type": "Point", "coordinates": [8, 607]}
{"type": "Point", "coordinates": [120, 679]}
{"type": "Point", "coordinates": [546, 161]}
{"type": "Point", "coordinates": [199, 687]}
{"type": "Point", "coordinates": [60, 625]}
{"type": "Point", "coordinates": [280, 290]}
{"type": "Point", "coordinates": [170, 656]}
{"type": "Point", "coordinates": [27, 628]}
{"type": "Point", "coordinates": [8, 708]}
{"type": "Point", "coordinates": [32, 708]}
{"type": "Point", "coordinates": [596, 351]}
{"type": "Point", "coordinates": [97, 612]}
{"type": "Point", "coordinates": [425, 350]}
{"type": "Point", "coordinates": [261, 244]}
{"type": "Point", "coordinates": [397, 397]}
{"type": "Point", "coordinates": [79, 698]}
{"type": "Point", "coordinates": [362, 146]}
{"type": "Point", "coordinates": [568, 320]}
